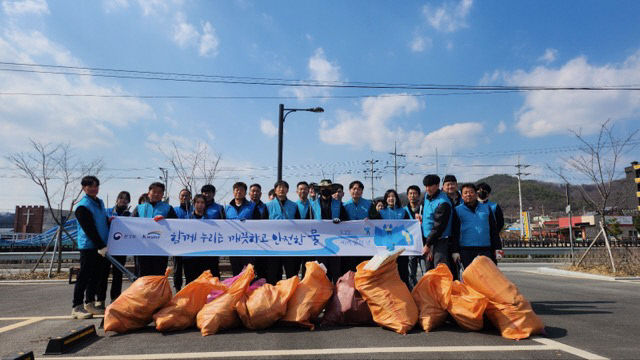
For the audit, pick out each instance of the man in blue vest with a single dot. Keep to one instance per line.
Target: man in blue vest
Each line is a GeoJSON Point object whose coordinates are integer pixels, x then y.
{"type": "Point", "coordinates": [325, 207]}
{"type": "Point", "coordinates": [183, 211]}
{"type": "Point", "coordinates": [157, 210]}
{"type": "Point", "coordinates": [436, 223]}
{"type": "Point", "coordinates": [304, 205]}
{"type": "Point", "coordinates": [450, 187]}
{"type": "Point", "coordinates": [241, 209]}
{"type": "Point", "coordinates": [255, 193]}
{"type": "Point", "coordinates": [281, 208]}
{"type": "Point", "coordinates": [93, 230]}
{"type": "Point", "coordinates": [413, 210]}
{"type": "Point", "coordinates": [213, 210]}
{"type": "Point", "coordinates": [474, 230]}
{"type": "Point", "coordinates": [357, 208]}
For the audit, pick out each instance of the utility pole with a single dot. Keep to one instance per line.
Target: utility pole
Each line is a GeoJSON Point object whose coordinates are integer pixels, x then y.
{"type": "Point", "coordinates": [568, 210]}
{"type": "Point", "coordinates": [519, 174]}
{"type": "Point", "coordinates": [395, 164]}
{"type": "Point", "coordinates": [372, 171]}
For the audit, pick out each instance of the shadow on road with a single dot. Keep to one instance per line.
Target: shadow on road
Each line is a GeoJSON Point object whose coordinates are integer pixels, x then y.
{"type": "Point", "coordinates": [571, 307]}
{"type": "Point", "coordinates": [554, 332]}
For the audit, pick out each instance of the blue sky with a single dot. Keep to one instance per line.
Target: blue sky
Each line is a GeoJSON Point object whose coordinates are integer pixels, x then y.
{"type": "Point", "coordinates": [516, 43]}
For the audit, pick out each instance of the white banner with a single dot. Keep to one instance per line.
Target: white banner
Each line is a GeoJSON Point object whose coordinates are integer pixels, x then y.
{"type": "Point", "coordinates": [183, 237]}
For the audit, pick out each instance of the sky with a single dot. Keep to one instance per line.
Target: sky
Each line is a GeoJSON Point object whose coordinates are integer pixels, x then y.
{"type": "Point", "coordinates": [259, 48]}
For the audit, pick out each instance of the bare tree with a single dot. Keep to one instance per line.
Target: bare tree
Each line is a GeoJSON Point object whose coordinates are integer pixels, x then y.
{"type": "Point", "coordinates": [193, 167]}
{"type": "Point", "coordinates": [57, 171]}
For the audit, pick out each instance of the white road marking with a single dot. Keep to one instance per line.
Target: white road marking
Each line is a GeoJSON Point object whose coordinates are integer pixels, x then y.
{"type": "Point", "coordinates": [566, 348]}
{"type": "Point", "coordinates": [20, 324]}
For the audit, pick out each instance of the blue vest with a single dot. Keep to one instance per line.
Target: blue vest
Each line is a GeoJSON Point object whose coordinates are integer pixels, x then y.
{"type": "Point", "coordinates": [245, 211]}
{"type": "Point", "coordinates": [304, 208]}
{"type": "Point", "coordinates": [474, 226]}
{"type": "Point", "coordinates": [359, 211]}
{"type": "Point", "coordinates": [429, 208]}
{"type": "Point", "coordinates": [277, 212]}
{"type": "Point", "coordinates": [182, 213]}
{"type": "Point", "coordinates": [493, 206]}
{"type": "Point", "coordinates": [317, 209]}
{"type": "Point", "coordinates": [147, 210]}
{"type": "Point", "coordinates": [393, 214]}
{"type": "Point", "coordinates": [213, 211]}
{"type": "Point", "coordinates": [99, 218]}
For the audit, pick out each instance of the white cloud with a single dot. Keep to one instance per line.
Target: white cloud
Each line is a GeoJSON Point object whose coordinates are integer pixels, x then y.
{"type": "Point", "coordinates": [113, 5]}
{"type": "Point", "coordinates": [268, 128]}
{"type": "Point", "coordinates": [57, 119]}
{"type": "Point", "coordinates": [502, 127]}
{"type": "Point", "coordinates": [153, 7]}
{"type": "Point", "coordinates": [449, 16]}
{"type": "Point", "coordinates": [555, 112]}
{"type": "Point", "coordinates": [420, 43]}
{"type": "Point", "coordinates": [186, 35]}
{"type": "Point", "coordinates": [447, 139]}
{"type": "Point", "coordinates": [208, 41]}
{"type": "Point", "coordinates": [25, 7]}
{"type": "Point", "coordinates": [154, 139]}
{"type": "Point", "coordinates": [549, 56]}
{"type": "Point", "coordinates": [320, 69]}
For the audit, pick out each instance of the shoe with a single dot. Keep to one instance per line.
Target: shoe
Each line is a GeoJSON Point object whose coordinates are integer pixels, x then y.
{"type": "Point", "coordinates": [92, 309]}
{"type": "Point", "coordinates": [79, 312]}
{"type": "Point", "coordinates": [99, 305]}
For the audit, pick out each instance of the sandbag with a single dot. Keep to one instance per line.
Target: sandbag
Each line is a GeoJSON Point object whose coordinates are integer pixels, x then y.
{"type": "Point", "coordinates": [346, 306]}
{"type": "Point", "coordinates": [220, 313]}
{"type": "Point", "coordinates": [432, 295]}
{"type": "Point", "coordinates": [388, 297]}
{"type": "Point", "coordinates": [267, 304]}
{"type": "Point", "coordinates": [310, 296]}
{"type": "Point", "coordinates": [182, 310]}
{"type": "Point", "coordinates": [508, 310]}
{"type": "Point", "coordinates": [134, 308]}
{"type": "Point", "coordinates": [467, 306]}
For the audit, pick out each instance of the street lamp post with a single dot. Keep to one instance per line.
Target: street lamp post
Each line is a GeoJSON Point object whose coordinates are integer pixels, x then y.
{"type": "Point", "coordinates": [282, 115]}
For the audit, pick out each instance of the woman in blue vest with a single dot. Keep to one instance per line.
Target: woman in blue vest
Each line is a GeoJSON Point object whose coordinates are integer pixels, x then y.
{"type": "Point", "coordinates": [196, 265]}
{"type": "Point", "coordinates": [281, 208]}
{"type": "Point", "coordinates": [93, 230]}
{"type": "Point", "coordinates": [474, 230]}
{"type": "Point", "coordinates": [157, 210]}
{"type": "Point", "coordinates": [241, 209]}
{"type": "Point", "coordinates": [394, 211]}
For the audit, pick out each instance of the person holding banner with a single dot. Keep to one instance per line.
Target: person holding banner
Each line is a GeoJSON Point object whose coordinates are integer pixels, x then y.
{"type": "Point", "coordinates": [93, 230]}
{"type": "Point", "coordinates": [304, 206]}
{"type": "Point", "coordinates": [158, 210]}
{"type": "Point", "coordinates": [436, 223]}
{"type": "Point", "coordinates": [281, 208]}
{"type": "Point", "coordinates": [213, 210]}
{"type": "Point", "coordinates": [474, 229]}
{"type": "Point", "coordinates": [393, 211]}
{"type": "Point", "coordinates": [326, 207]}
{"type": "Point", "coordinates": [195, 265]}
{"type": "Point", "coordinates": [357, 209]}
{"type": "Point", "coordinates": [183, 211]}
{"type": "Point", "coordinates": [413, 209]}
{"type": "Point", "coordinates": [255, 193]}
{"type": "Point", "coordinates": [241, 209]}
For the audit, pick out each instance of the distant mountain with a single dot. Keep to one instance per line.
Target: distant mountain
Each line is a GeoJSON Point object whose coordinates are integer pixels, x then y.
{"type": "Point", "coordinates": [6, 220]}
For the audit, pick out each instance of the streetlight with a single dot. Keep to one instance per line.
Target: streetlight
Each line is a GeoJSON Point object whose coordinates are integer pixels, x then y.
{"type": "Point", "coordinates": [281, 117]}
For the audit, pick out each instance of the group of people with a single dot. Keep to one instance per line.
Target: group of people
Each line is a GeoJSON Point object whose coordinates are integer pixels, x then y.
{"type": "Point", "coordinates": [457, 225]}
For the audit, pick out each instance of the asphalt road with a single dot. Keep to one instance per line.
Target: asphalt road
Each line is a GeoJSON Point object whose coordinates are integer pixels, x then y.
{"type": "Point", "coordinates": [583, 318]}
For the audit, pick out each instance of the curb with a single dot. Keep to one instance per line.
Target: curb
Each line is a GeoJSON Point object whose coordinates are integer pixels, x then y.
{"type": "Point", "coordinates": [577, 274]}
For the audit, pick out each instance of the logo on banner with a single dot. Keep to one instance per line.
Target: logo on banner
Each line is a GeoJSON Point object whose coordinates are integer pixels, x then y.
{"type": "Point", "coordinates": [152, 235]}
{"type": "Point", "coordinates": [117, 236]}
{"type": "Point", "coordinates": [390, 236]}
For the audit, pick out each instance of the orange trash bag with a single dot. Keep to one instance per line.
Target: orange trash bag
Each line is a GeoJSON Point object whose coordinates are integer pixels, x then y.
{"type": "Point", "coordinates": [134, 308]}
{"type": "Point", "coordinates": [508, 310]}
{"type": "Point", "coordinates": [467, 306]}
{"type": "Point", "coordinates": [267, 304]}
{"type": "Point", "coordinates": [432, 295]}
{"type": "Point", "coordinates": [182, 310]}
{"type": "Point", "coordinates": [387, 295]}
{"type": "Point", "coordinates": [310, 296]}
{"type": "Point", "coordinates": [220, 313]}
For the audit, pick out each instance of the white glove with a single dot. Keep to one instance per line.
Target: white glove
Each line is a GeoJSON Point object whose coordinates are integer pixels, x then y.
{"type": "Point", "coordinates": [102, 251]}
{"type": "Point", "coordinates": [336, 220]}
{"type": "Point", "coordinates": [455, 257]}
{"type": "Point", "coordinates": [499, 254]}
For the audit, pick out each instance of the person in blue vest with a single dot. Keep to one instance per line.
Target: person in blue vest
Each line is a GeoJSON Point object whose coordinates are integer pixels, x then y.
{"type": "Point", "coordinates": [474, 229]}
{"type": "Point", "coordinates": [436, 223]}
{"type": "Point", "coordinates": [241, 209]}
{"type": "Point", "coordinates": [394, 211]}
{"type": "Point", "coordinates": [339, 194]}
{"type": "Point", "coordinates": [195, 265]}
{"type": "Point", "coordinates": [183, 211]}
{"type": "Point", "coordinates": [212, 211]}
{"type": "Point", "coordinates": [325, 207]}
{"type": "Point", "coordinates": [304, 205]}
{"type": "Point", "coordinates": [357, 208]}
{"type": "Point", "coordinates": [450, 187]}
{"type": "Point", "coordinates": [157, 210]}
{"type": "Point", "coordinates": [280, 208]}
{"type": "Point", "coordinates": [313, 193]}
{"type": "Point", "coordinates": [414, 211]}
{"type": "Point", "coordinates": [93, 230]}
{"type": "Point", "coordinates": [121, 208]}
{"type": "Point", "coordinates": [255, 193]}
{"type": "Point", "coordinates": [484, 190]}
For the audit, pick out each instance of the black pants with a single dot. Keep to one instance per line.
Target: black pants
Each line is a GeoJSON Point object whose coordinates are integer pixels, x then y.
{"type": "Point", "coordinates": [403, 270]}
{"type": "Point", "coordinates": [116, 282]}
{"type": "Point", "coordinates": [349, 263]}
{"type": "Point", "coordinates": [468, 253]}
{"type": "Point", "coordinates": [414, 261]}
{"type": "Point", "coordinates": [151, 265]}
{"type": "Point", "coordinates": [193, 267]}
{"type": "Point", "coordinates": [89, 277]}
{"type": "Point", "coordinates": [239, 262]}
{"type": "Point", "coordinates": [440, 252]}
{"type": "Point", "coordinates": [177, 272]}
{"type": "Point", "coordinates": [291, 266]}
{"type": "Point", "coordinates": [269, 268]}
